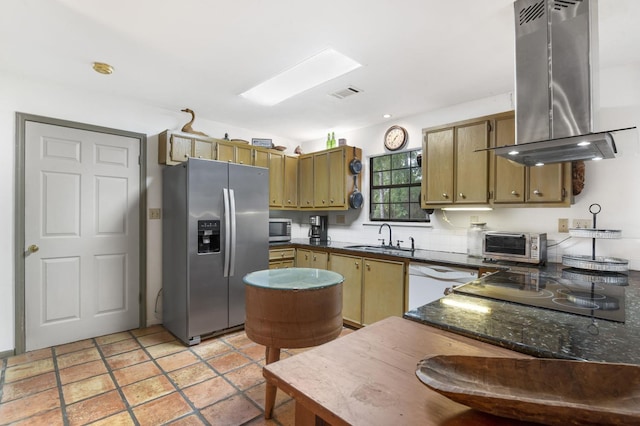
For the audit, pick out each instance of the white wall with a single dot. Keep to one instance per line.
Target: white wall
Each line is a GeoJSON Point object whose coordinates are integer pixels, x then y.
{"type": "Point", "coordinates": [614, 184]}
{"type": "Point", "coordinates": [46, 99]}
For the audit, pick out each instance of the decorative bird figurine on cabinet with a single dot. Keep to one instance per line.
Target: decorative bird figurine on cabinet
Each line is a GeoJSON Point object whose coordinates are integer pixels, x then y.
{"type": "Point", "coordinates": [187, 127]}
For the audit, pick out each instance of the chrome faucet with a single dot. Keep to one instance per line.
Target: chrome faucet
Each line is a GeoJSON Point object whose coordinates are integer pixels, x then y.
{"type": "Point", "coordinates": [413, 246]}
{"type": "Point", "coordinates": [380, 232]}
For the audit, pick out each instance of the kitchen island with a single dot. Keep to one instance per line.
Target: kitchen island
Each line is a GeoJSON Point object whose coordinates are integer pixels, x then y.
{"type": "Point", "coordinates": [538, 331]}
{"type": "Point", "coordinates": [368, 378]}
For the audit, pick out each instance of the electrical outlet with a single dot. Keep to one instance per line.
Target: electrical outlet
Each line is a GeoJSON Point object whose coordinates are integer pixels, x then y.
{"type": "Point", "coordinates": [563, 225]}
{"type": "Point", "coordinates": [154, 214]}
{"type": "Point", "coordinates": [582, 223]}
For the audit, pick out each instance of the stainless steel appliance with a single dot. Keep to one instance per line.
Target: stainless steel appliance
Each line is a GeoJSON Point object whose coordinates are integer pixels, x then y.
{"type": "Point", "coordinates": [524, 247]}
{"type": "Point", "coordinates": [538, 289]}
{"type": "Point", "coordinates": [318, 229]}
{"type": "Point", "coordinates": [557, 84]}
{"type": "Point", "coordinates": [214, 231]}
{"type": "Point", "coordinates": [279, 229]}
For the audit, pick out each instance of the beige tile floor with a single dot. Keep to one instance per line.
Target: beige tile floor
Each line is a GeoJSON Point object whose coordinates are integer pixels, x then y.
{"type": "Point", "coordinates": [141, 377]}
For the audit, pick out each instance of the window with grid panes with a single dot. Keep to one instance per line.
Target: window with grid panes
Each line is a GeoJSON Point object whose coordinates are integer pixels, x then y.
{"type": "Point", "coordinates": [395, 187]}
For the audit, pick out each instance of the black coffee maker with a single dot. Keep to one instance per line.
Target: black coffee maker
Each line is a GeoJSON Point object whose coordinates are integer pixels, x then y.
{"type": "Point", "coordinates": [318, 229]}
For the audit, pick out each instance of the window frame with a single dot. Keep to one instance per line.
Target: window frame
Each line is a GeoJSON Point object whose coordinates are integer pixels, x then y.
{"type": "Point", "coordinates": [413, 166]}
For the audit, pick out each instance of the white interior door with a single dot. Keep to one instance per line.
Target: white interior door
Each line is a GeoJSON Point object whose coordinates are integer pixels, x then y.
{"type": "Point", "coordinates": [81, 234]}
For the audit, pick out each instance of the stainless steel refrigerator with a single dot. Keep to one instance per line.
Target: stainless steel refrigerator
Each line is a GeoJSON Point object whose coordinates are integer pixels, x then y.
{"type": "Point", "coordinates": [215, 230]}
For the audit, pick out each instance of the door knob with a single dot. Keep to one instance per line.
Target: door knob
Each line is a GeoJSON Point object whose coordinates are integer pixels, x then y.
{"type": "Point", "coordinates": [33, 248]}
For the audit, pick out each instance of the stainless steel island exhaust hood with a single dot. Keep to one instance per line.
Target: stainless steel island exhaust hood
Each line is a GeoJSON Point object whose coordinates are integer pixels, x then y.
{"type": "Point", "coordinates": [556, 79]}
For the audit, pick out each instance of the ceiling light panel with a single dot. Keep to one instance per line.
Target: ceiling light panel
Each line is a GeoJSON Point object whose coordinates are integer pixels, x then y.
{"type": "Point", "coordinates": [310, 73]}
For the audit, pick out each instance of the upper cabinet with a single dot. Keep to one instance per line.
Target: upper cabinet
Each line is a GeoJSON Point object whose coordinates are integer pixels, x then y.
{"type": "Point", "coordinates": [515, 184]}
{"type": "Point", "coordinates": [325, 179]}
{"type": "Point", "coordinates": [453, 171]}
{"type": "Point", "coordinates": [317, 181]}
{"type": "Point", "coordinates": [456, 172]}
{"type": "Point", "coordinates": [176, 147]}
{"type": "Point", "coordinates": [283, 181]}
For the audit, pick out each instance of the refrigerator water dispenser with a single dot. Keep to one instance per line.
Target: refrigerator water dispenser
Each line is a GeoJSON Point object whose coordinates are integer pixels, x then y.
{"type": "Point", "coordinates": [208, 236]}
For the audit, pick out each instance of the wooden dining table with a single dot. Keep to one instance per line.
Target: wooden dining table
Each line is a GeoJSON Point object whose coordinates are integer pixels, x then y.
{"type": "Point", "coordinates": [368, 378]}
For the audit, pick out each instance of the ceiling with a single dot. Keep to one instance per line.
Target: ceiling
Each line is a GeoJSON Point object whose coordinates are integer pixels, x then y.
{"type": "Point", "coordinates": [417, 55]}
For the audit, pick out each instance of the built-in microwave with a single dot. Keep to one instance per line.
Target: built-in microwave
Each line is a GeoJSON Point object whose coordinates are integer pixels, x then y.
{"type": "Point", "coordinates": [525, 247]}
{"type": "Point", "coordinates": [279, 229]}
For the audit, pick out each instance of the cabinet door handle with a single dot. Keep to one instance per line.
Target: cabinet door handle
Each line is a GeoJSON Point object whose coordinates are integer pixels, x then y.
{"type": "Point", "coordinates": [445, 195]}
{"type": "Point", "coordinates": [368, 266]}
{"type": "Point", "coordinates": [462, 195]}
{"type": "Point", "coordinates": [536, 192]}
{"type": "Point", "coordinates": [514, 193]}
{"type": "Point", "coordinates": [357, 265]}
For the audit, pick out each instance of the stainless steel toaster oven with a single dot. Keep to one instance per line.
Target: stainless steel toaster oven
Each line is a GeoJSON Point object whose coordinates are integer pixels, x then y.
{"type": "Point", "coordinates": [525, 247]}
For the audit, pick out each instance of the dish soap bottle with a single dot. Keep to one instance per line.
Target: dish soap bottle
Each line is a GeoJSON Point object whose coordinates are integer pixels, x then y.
{"type": "Point", "coordinates": [328, 140]}
{"type": "Point", "coordinates": [333, 140]}
{"type": "Point", "coordinates": [475, 235]}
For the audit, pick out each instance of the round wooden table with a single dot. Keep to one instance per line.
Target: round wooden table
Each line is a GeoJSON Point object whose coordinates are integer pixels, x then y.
{"type": "Point", "coordinates": [291, 308]}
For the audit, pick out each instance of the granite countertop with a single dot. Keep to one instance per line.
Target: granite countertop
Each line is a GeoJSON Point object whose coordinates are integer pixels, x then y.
{"type": "Point", "coordinates": [542, 332]}
{"type": "Point", "coordinates": [418, 255]}
{"type": "Point", "coordinates": [534, 331]}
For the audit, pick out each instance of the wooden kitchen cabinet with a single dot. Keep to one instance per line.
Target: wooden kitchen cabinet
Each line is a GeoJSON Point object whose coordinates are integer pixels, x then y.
{"type": "Point", "coordinates": [515, 184]}
{"type": "Point", "coordinates": [282, 258]}
{"type": "Point", "coordinates": [312, 259]}
{"type": "Point", "coordinates": [283, 181]}
{"type": "Point", "coordinates": [305, 182]}
{"type": "Point", "coordinates": [509, 177]}
{"type": "Point", "coordinates": [373, 289]}
{"type": "Point", "coordinates": [454, 173]}
{"type": "Point", "coordinates": [176, 147]}
{"type": "Point", "coordinates": [383, 285]}
{"type": "Point", "coordinates": [290, 184]}
{"type": "Point", "coordinates": [225, 151]}
{"type": "Point", "coordinates": [276, 179]}
{"type": "Point", "coordinates": [260, 158]}
{"type": "Point", "coordinates": [325, 178]}
{"type": "Point", "coordinates": [350, 267]}
{"type": "Point", "coordinates": [321, 180]}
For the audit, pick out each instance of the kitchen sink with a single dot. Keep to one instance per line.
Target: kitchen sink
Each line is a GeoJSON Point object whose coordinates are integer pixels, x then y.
{"type": "Point", "coordinates": [381, 249]}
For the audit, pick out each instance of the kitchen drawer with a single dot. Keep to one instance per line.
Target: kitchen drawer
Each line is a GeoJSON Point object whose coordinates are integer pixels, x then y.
{"type": "Point", "coordinates": [279, 254]}
{"type": "Point", "coordinates": [281, 264]}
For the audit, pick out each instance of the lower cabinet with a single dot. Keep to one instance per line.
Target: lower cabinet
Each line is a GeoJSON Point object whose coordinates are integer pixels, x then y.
{"type": "Point", "coordinates": [383, 288]}
{"type": "Point", "coordinates": [311, 259]}
{"type": "Point", "coordinates": [350, 267]}
{"type": "Point", "coordinates": [373, 289]}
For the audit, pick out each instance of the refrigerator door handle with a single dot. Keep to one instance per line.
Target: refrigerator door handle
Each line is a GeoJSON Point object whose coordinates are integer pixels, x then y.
{"type": "Point", "coordinates": [227, 231]}
{"type": "Point", "coordinates": [232, 260]}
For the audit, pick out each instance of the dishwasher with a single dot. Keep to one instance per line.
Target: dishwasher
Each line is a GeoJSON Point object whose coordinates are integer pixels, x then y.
{"type": "Point", "coordinates": [428, 282]}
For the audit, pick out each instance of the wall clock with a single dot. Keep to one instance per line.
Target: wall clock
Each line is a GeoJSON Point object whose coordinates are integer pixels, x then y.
{"type": "Point", "coordinates": [395, 138]}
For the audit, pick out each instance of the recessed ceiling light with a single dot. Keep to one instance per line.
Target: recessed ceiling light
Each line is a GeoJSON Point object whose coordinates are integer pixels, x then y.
{"type": "Point", "coordinates": [312, 72]}
{"type": "Point", "coordinates": [102, 68]}
{"type": "Point", "coordinates": [387, 116]}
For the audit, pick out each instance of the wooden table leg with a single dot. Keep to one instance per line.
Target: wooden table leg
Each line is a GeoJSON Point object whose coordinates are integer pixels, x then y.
{"type": "Point", "coordinates": [272, 354]}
